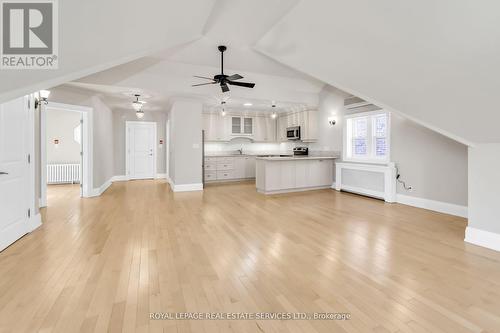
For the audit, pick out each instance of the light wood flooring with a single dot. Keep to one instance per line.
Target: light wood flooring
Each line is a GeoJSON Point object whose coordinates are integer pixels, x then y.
{"type": "Point", "coordinates": [103, 264]}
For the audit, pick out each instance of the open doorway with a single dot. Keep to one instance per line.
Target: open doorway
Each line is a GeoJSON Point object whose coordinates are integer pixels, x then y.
{"type": "Point", "coordinates": [65, 152]}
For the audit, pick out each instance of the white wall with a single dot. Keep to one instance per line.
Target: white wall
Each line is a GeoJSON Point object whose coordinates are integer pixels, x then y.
{"type": "Point", "coordinates": [484, 188]}
{"type": "Point", "coordinates": [434, 165]}
{"type": "Point", "coordinates": [103, 142]}
{"type": "Point", "coordinates": [185, 142]}
{"type": "Point", "coordinates": [119, 119]}
{"type": "Point", "coordinates": [103, 156]}
{"type": "Point", "coordinates": [61, 126]}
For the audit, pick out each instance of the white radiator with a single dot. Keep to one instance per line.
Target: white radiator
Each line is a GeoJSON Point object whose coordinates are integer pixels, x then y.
{"type": "Point", "coordinates": [373, 180]}
{"type": "Point", "coordinates": [63, 173]}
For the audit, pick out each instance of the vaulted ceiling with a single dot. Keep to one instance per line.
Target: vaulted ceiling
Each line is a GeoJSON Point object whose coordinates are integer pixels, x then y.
{"type": "Point", "coordinates": [437, 62]}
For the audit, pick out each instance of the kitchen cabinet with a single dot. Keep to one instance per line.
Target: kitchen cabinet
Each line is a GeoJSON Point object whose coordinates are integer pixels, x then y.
{"type": "Point", "coordinates": [307, 120]}
{"type": "Point", "coordinates": [276, 175]}
{"type": "Point", "coordinates": [229, 168]}
{"type": "Point", "coordinates": [216, 127]}
{"type": "Point", "coordinates": [265, 129]}
{"type": "Point", "coordinates": [242, 125]}
{"type": "Point", "coordinates": [281, 128]}
{"type": "Point", "coordinates": [309, 126]}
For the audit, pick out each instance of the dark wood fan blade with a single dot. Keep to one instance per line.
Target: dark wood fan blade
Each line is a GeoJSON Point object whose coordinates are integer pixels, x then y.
{"type": "Point", "coordinates": [242, 84]}
{"type": "Point", "coordinates": [204, 77]}
{"type": "Point", "coordinates": [203, 84]}
{"type": "Point", "coordinates": [224, 87]}
{"type": "Point", "coordinates": [234, 77]}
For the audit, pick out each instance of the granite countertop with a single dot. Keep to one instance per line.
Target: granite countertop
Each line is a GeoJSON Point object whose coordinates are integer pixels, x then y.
{"type": "Point", "coordinates": [297, 158]}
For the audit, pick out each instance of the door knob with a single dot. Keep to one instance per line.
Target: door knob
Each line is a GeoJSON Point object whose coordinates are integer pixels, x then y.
{"type": "Point", "coordinates": [3, 173]}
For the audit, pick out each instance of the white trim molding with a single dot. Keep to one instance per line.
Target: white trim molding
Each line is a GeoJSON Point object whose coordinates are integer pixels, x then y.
{"type": "Point", "coordinates": [186, 187]}
{"type": "Point", "coordinates": [482, 238]}
{"type": "Point", "coordinates": [119, 178]}
{"type": "Point", "coordinates": [438, 206]}
{"type": "Point", "coordinates": [100, 190]}
{"type": "Point", "coordinates": [34, 222]}
{"type": "Point", "coordinates": [161, 176]}
{"type": "Point", "coordinates": [389, 171]}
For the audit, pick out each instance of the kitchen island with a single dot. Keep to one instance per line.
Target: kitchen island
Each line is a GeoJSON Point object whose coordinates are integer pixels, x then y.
{"type": "Point", "coordinates": [294, 173]}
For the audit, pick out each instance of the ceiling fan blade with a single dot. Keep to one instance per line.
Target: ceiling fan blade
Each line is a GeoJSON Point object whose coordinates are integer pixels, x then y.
{"type": "Point", "coordinates": [242, 84]}
{"type": "Point", "coordinates": [224, 87]}
{"type": "Point", "coordinates": [204, 77]}
{"type": "Point", "coordinates": [203, 84]}
{"type": "Point", "coordinates": [234, 77]}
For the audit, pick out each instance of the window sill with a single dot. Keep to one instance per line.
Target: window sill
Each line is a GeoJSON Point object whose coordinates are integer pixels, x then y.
{"type": "Point", "coordinates": [355, 160]}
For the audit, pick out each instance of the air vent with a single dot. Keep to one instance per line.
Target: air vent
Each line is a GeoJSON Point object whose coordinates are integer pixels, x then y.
{"type": "Point", "coordinates": [354, 102]}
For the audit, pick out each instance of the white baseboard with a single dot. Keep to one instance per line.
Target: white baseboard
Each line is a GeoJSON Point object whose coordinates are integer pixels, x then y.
{"type": "Point", "coordinates": [482, 238]}
{"type": "Point", "coordinates": [34, 222]}
{"type": "Point", "coordinates": [99, 191]}
{"type": "Point", "coordinates": [438, 206]}
{"type": "Point", "coordinates": [302, 189]}
{"type": "Point", "coordinates": [161, 176]}
{"type": "Point", "coordinates": [186, 187]}
{"type": "Point", "coordinates": [119, 178]}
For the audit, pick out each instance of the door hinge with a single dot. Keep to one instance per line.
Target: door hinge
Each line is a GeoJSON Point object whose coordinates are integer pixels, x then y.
{"type": "Point", "coordinates": [29, 213]}
{"type": "Point", "coordinates": [29, 158]}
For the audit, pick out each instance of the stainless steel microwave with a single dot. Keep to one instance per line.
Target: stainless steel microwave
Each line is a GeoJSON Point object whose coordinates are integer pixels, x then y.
{"type": "Point", "coordinates": [293, 133]}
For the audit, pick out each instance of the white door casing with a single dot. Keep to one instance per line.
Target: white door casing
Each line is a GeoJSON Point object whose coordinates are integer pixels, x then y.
{"type": "Point", "coordinates": [15, 179]}
{"type": "Point", "coordinates": [86, 162]}
{"type": "Point", "coordinates": [140, 150]}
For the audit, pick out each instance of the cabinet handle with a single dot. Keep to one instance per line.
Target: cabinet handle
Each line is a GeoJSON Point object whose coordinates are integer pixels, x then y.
{"type": "Point", "coordinates": [3, 173]}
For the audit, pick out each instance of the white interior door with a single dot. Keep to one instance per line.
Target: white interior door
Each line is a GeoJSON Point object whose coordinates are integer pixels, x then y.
{"type": "Point", "coordinates": [141, 150]}
{"type": "Point", "coordinates": [14, 171]}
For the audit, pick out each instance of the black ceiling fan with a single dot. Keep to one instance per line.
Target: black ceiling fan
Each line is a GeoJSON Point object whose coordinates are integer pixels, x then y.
{"type": "Point", "coordinates": [222, 79]}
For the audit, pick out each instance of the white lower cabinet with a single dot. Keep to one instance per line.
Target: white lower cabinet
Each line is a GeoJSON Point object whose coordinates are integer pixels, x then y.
{"type": "Point", "coordinates": [229, 168]}
{"type": "Point", "coordinates": [275, 176]}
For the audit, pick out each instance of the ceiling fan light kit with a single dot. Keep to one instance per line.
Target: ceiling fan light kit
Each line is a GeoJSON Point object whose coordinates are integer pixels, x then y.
{"type": "Point", "coordinates": [222, 79]}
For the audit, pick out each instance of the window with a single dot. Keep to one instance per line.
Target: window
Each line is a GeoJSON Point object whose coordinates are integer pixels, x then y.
{"type": "Point", "coordinates": [367, 137]}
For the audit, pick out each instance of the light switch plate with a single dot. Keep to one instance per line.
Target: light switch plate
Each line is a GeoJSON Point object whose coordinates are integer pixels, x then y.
{"type": "Point", "coordinates": [196, 145]}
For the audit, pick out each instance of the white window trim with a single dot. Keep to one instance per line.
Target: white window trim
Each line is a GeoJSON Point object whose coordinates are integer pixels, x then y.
{"type": "Point", "coordinates": [369, 160]}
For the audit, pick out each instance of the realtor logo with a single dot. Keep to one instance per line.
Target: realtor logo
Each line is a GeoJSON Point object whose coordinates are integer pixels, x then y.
{"type": "Point", "coordinates": [29, 36]}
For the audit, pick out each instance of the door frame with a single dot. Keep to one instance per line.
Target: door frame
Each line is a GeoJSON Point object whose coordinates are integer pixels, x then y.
{"type": "Point", "coordinates": [167, 150]}
{"type": "Point", "coordinates": [86, 161]}
{"type": "Point", "coordinates": [129, 123]}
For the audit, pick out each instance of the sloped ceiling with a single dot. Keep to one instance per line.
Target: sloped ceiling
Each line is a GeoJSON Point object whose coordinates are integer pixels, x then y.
{"type": "Point", "coordinates": [95, 35]}
{"type": "Point", "coordinates": [235, 23]}
{"type": "Point", "coordinates": [437, 62]}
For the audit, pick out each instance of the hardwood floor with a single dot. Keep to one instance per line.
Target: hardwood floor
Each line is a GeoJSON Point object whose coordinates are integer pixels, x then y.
{"type": "Point", "coordinates": [103, 264]}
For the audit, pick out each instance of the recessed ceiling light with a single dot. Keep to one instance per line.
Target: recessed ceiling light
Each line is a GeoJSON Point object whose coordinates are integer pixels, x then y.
{"type": "Point", "coordinates": [248, 104]}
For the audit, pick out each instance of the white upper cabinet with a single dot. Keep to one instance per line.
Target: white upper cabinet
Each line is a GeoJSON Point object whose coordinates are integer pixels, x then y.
{"type": "Point", "coordinates": [264, 129]}
{"type": "Point", "coordinates": [216, 127]}
{"type": "Point", "coordinates": [308, 122]}
{"type": "Point", "coordinates": [309, 126]}
{"type": "Point", "coordinates": [259, 128]}
{"type": "Point", "coordinates": [242, 125]}
{"type": "Point", "coordinates": [281, 128]}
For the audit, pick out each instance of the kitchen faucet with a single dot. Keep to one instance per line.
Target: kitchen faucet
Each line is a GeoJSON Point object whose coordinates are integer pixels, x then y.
{"type": "Point", "coordinates": [240, 151]}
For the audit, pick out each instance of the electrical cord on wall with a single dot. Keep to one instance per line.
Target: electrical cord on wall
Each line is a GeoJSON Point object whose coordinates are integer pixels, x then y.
{"type": "Point", "coordinates": [402, 182]}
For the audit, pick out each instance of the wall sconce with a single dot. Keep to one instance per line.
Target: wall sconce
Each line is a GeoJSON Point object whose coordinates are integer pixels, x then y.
{"type": "Point", "coordinates": [56, 143]}
{"type": "Point", "coordinates": [43, 98]}
{"type": "Point", "coordinates": [331, 121]}
{"type": "Point", "coordinates": [274, 115]}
